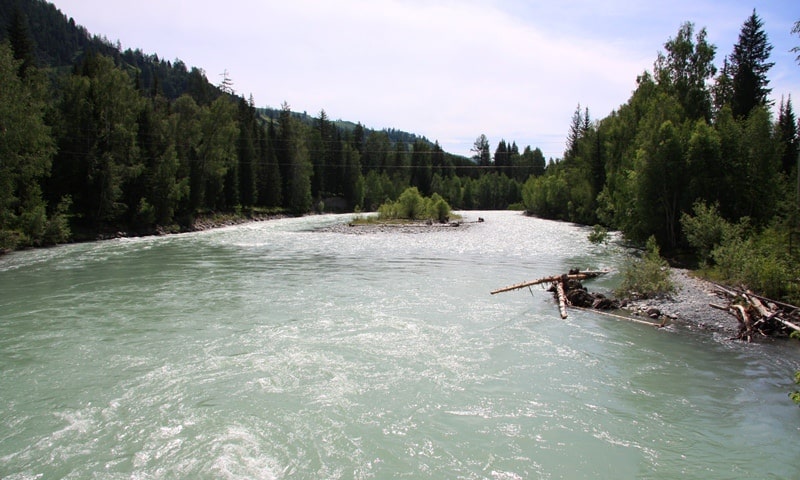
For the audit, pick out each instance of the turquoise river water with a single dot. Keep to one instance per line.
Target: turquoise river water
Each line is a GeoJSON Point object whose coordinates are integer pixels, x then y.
{"type": "Point", "coordinates": [271, 350]}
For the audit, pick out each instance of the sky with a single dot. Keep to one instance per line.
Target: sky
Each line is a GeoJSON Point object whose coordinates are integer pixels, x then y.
{"type": "Point", "coordinates": [449, 70]}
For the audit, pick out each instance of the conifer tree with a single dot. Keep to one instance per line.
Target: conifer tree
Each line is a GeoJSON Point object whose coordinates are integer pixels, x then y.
{"type": "Point", "coordinates": [296, 168]}
{"type": "Point", "coordinates": [483, 156]}
{"type": "Point", "coordinates": [749, 64]}
{"type": "Point", "coordinates": [21, 42]}
{"type": "Point", "coordinates": [26, 149]}
{"type": "Point", "coordinates": [788, 136]}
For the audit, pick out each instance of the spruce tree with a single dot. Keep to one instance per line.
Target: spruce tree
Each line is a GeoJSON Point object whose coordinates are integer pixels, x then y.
{"type": "Point", "coordinates": [750, 66]}
{"type": "Point", "coordinates": [483, 156]}
{"type": "Point", "coordinates": [21, 41]}
{"type": "Point", "coordinates": [788, 136]}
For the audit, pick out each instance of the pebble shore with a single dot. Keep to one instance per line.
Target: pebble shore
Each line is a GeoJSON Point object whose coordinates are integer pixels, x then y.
{"type": "Point", "coordinates": [690, 306]}
{"type": "Point", "coordinates": [416, 227]}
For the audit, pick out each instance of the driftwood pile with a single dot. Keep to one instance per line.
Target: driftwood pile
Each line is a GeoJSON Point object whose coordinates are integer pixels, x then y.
{"type": "Point", "coordinates": [757, 315]}
{"type": "Point", "coordinates": [569, 291]}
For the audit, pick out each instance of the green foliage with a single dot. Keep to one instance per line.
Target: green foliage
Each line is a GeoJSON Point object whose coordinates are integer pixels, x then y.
{"type": "Point", "coordinates": [648, 276]}
{"type": "Point", "coordinates": [759, 261]}
{"type": "Point", "coordinates": [599, 234]}
{"type": "Point", "coordinates": [143, 143]}
{"type": "Point", "coordinates": [795, 396]}
{"type": "Point", "coordinates": [411, 205]}
{"type": "Point", "coordinates": [26, 150]}
{"type": "Point", "coordinates": [740, 254]}
{"type": "Point", "coordinates": [57, 228]}
{"type": "Point", "coordinates": [749, 67]}
{"type": "Point", "coordinates": [706, 230]}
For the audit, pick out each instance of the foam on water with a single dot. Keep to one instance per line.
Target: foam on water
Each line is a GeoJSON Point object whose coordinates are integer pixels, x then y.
{"type": "Point", "coordinates": [271, 350]}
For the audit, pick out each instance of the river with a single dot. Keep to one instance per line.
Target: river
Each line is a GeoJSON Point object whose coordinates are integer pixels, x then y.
{"type": "Point", "coordinates": [271, 350]}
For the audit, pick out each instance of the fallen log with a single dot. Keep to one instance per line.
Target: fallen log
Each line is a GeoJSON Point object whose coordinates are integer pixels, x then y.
{"type": "Point", "coordinates": [758, 314]}
{"type": "Point", "coordinates": [562, 298]}
{"type": "Point", "coordinates": [621, 317]}
{"type": "Point", "coordinates": [551, 279]}
{"type": "Point", "coordinates": [746, 325]}
{"type": "Point", "coordinates": [568, 290]}
{"type": "Point", "coordinates": [788, 324]}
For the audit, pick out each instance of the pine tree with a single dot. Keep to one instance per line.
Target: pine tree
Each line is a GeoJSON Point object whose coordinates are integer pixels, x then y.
{"type": "Point", "coordinates": [26, 148]}
{"type": "Point", "coordinates": [578, 127]}
{"type": "Point", "coordinates": [501, 157]}
{"type": "Point", "coordinates": [722, 91]}
{"type": "Point", "coordinates": [21, 41]}
{"type": "Point", "coordinates": [750, 66]}
{"type": "Point", "coordinates": [788, 136]}
{"type": "Point", "coordinates": [483, 156]}
{"type": "Point", "coordinates": [296, 168]}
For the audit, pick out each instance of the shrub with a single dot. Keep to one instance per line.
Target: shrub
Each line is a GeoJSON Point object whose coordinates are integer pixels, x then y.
{"type": "Point", "coordinates": [437, 209]}
{"type": "Point", "coordinates": [648, 276]}
{"type": "Point", "coordinates": [599, 234]}
{"type": "Point", "coordinates": [57, 228]}
{"type": "Point", "coordinates": [760, 262]}
{"type": "Point", "coordinates": [412, 206]}
{"type": "Point", "coordinates": [707, 230]}
{"type": "Point", "coordinates": [795, 396]}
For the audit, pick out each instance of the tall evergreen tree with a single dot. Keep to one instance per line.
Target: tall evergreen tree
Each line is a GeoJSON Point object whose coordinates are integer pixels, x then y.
{"type": "Point", "coordinates": [749, 64]}
{"type": "Point", "coordinates": [358, 138]}
{"type": "Point", "coordinates": [788, 136]}
{"type": "Point", "coordinates": [577, 129]}
{"type": "Point", "coordinates": [26, 150]}
{"type": "Point", "coordinates": [269, 174]}
{"type": "Point", "coordinates": [722, 91]}
{"type": "Point", "coordinates": [296, 168]}
{"type": "Point", "coordinates": [421, 167]}
{"type": "Point", "coordinates": [98, 154]}
{"type": "Point", "coordinates": [247, 155]}
{"type": "Point", "coordinates": [501, 158]}
{"type": "Point", "coordinates": [217, 154]}
{"type": "Point", "coordinates": [21, 41]}
{"type": "Point", "coordinates": [480, 148]}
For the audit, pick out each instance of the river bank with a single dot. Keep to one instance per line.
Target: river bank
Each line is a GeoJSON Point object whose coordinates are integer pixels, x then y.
{"type": "Point", "coordinates": [690, 306]}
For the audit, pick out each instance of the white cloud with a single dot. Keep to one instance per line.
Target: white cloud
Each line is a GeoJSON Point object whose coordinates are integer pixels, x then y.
{"type": "Point", "coordinates": [449, 70]}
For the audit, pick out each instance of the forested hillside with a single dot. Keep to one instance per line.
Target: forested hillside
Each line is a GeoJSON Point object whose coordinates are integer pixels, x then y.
{"type": "Point", "coordinates": [95, 140]}
{"type": "Point", "coordinates": [100, 140]}
{"type": "Point", "coordinates": [693, 158]}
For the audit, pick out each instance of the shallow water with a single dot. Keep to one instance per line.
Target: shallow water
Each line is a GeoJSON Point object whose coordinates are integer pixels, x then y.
{"type": "Point", "coordinates": [270, 350]}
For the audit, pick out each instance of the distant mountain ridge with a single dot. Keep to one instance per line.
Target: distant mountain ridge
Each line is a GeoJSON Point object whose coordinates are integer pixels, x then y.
{"type": "Point", "coordinates": [60, 42]}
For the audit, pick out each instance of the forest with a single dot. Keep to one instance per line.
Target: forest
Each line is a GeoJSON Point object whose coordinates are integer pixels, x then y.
{"type": "Point", "coordinates": [108, 141]}
{"type": "Point", "coordinates": [96, 142]}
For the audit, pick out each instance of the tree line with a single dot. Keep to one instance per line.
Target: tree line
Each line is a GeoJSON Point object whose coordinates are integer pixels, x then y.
{"type": "Point", "coordinates": [127, 142]}
{"type": "Point", "coordinates": [124, 141]}
{"type": "Point", "coordinates": [694, 159]}
{"type": "Point", "coordinates": [687, 134]}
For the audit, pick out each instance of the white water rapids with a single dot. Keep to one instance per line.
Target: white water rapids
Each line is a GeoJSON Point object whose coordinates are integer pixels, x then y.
{"type": "Point", "coordinates": [271, 351]}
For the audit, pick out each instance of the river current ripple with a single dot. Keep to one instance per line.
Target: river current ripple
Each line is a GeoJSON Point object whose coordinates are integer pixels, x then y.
{"type": "Point", "coordinates": [272, 350]}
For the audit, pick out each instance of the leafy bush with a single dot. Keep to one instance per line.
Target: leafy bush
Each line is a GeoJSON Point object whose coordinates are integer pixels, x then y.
{"type": "Point", "coordinates": [599, 234]}
{"type": "Point", "coordinates": [795, 396]}
{"type": "Point", "coordinates": [706, 229]}
{"type": "Point", "coordinates": [413, 206]}
{"type": "Point", "coordinates": [760, 262]}
{"type": "Point", "coordinates": [648, 276]}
